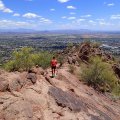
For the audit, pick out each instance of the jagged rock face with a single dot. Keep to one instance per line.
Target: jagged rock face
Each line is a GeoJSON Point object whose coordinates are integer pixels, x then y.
{"type": "Point", "coordinates": [21, 109]}
{"type": "Point", "coordinates": [32, 78]}
{"type": "Point", "coordinates": [65, 99]}
{"type": "Point", "coordinates": [116, 69]}
{"type": "Point", "coordinates": [14, 82]}
{"type": "Point", "coordinates": [61, 98]}
{"type": "Point", "coordinates": [83, 52]}
{"type": "Point", "coordinates": [3, 84]}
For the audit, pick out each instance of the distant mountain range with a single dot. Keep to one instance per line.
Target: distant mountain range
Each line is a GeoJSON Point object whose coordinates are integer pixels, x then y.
{"type": "Point", "coordinates": [17, 30]}
{"type": "Point", "coordinates": [80, 31]}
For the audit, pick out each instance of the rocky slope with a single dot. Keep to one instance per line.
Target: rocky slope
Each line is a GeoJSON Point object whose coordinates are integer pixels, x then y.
{"type": "Point", "coordinates": [84, 51]}
{"type": "Point", "coordinates": [34, 95]}
{"type": "Point", "coordinates": [37, 96]}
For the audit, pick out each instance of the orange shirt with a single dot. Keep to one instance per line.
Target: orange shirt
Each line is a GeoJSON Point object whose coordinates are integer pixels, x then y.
{"type": "Point", "coordinates": [53, 62]}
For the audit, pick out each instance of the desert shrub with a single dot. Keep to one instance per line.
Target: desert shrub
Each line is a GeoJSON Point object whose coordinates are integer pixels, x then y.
{"type": "Point", "coordinates": [116, 91]}
{"type": "Point", "coordinates": [21, 59]}
{"type": "Point", "coordinates": [96, 44]}
{"type": "Point", "coordinates": [87, 41]}
{"type": "Point", "coordinates": [25, 59]}
{"type": "Point", "coordinates": [100, 75]}
{"type": "Point", "coordinates": [70, 45]}
{"type": "Point", "coordinates": [60, 60]}
{"type": "Point", "coordinates": [71, 69]}
{"type": "Point", "coordinates": [43, 59]}
{"type": "Point", "coordinates": [10, 66]}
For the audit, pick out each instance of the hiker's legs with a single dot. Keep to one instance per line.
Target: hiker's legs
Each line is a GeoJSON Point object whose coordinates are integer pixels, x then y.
{"type": "Point", "coordinates": [52, 71]}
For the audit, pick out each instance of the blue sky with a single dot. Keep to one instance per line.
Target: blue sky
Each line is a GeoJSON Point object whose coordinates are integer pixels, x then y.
{"type": "Point", "coordinates": [60, 14]}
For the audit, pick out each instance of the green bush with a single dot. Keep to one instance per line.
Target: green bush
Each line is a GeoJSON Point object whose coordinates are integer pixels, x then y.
{"type": "Point", "coordinates": [70, 45]}
{"type": "Point", "coordinates": [71, 69]}
{"type": "Point", "coordinates": [96, 44]}
{"type": "Point", "coordinates": [116, 91]}
{"type": "Point", "coordinates": [60, 60]}
{"type": "Point", "coordinates": [25, 59]}
{"type": "Point", "coordinates": [43, 59]}
{"type": "Point", "coordinates": [100, 75]}
{"type": "Point", "coordinates": [10, 66]}
{"type": "Point", "coordinates": [21, 59]}
{"type": "Point", "coordinates": [87, 41]}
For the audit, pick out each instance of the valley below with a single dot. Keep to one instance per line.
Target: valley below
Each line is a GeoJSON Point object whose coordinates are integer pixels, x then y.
{"type": "Point", "coordinates": [110, 42]}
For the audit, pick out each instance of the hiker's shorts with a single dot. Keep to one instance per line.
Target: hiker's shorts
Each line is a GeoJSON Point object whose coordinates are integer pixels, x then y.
{"type": "Point", "coordinates": [53, 67]}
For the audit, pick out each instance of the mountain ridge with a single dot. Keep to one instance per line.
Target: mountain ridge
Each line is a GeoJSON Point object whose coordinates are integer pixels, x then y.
{"type": "Point", "coordinates": [35, 95]}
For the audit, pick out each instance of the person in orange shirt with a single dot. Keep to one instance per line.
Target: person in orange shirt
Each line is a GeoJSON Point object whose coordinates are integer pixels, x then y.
{"type": "Point", "coordinates": [53, 66]}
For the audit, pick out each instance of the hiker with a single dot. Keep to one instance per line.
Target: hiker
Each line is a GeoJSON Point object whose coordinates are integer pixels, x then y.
{"type": "Point", "coordinates": [53, 66]}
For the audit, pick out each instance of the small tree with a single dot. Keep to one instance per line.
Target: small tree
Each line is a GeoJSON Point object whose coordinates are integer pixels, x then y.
{"type": "Point", "coordinates": [100, 75]}
{"type": "Point", "coordinates": [71, 69]}
{"type": "Point", "coordinates": [25, 59]}
{"type": "Point", "coordinates": [22, 59]}
{"type": "Point", "coordinates": [70, 45]}
{"type": "Point", "coordinates": [96, 44]}
{"type": "Point", "coordinates": [43, 59]}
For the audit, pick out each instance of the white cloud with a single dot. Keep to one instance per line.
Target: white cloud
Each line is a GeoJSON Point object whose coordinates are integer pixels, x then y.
{"type": "Point", "coordinates": [71, 7]}
{"type": "Point", "coordinates": [80, 20]}
{"type": "Point", "coordinates": [72, 13]}
{"type": "Point", "coordinates": [86, 16]}
{"type": "Point", "coordinates": [40, 18]}
{"type": "Point", "coordinates": [16, 14]}
{"type": "Point", "coordinates": [52, 9]}
{"type": "Point", "coordinates": [92, 22]}
{"type": "Point", "coordinates": [100, 19]}
{"type": "Point", "coordinates": [115, 16]}
{"type": "Point", "coordinates": [6, 24]}
{"type": "Point", "coordinates": [71, 18]}
{"type": "Point", "coordinates": [14, 24]}
{"type": "Point", "coordinates": [4, 8]}
{"type": "Point", "coordinates": [103, 23]}
{"type": "Point", "coordinates": [63, 17]}
{"type": "Point", "coordinates": [1, 5]}
{"type": "Point", "coordinates": [63, 1]}
{"type": "Point", "coordinates": [110, 4]}
{"type": "Point", "coordinates": [7, 10]}
{"type": "Point", "coordinates": [31, 15]}
{"type": "Point", "coordinates": [46, 21]}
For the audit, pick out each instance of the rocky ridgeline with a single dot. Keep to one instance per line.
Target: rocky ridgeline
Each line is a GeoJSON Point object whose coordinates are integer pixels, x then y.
{"type": "Point", "coordinates": [34, 95]}
{"type": "Point", "coordinates": [84, 51]}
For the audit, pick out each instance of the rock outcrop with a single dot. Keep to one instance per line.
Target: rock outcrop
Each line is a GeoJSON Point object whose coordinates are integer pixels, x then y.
{"type": "Point", "coordinates": [36, 96]}
{"type": "Point", "coordinates": [84, 52]}
{"type": "Point", "coordinates": [116, 68]}
{"type": "Point", "coordinates": [3, 84]}
{"type": "Point", "coordinates": [67, 99]}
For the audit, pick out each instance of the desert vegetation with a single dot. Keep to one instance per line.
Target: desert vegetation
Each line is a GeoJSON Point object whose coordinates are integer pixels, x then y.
{"type": "Point", "coordinates": [71, 69]}
{"type": "Point", "coordinates": [97, 73]}
{"type": "Point", "coordinates": [100, 75]}
{"type": "Point", "coordinates": [25, 58]}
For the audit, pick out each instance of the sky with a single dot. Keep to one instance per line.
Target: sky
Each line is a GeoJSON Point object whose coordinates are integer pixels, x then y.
{"type": "Point", "coordinates": [60, 14]}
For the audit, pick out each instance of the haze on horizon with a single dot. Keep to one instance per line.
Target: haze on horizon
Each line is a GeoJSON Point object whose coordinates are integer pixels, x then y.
{"type": "Point", "coordinates": [60, 14]}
